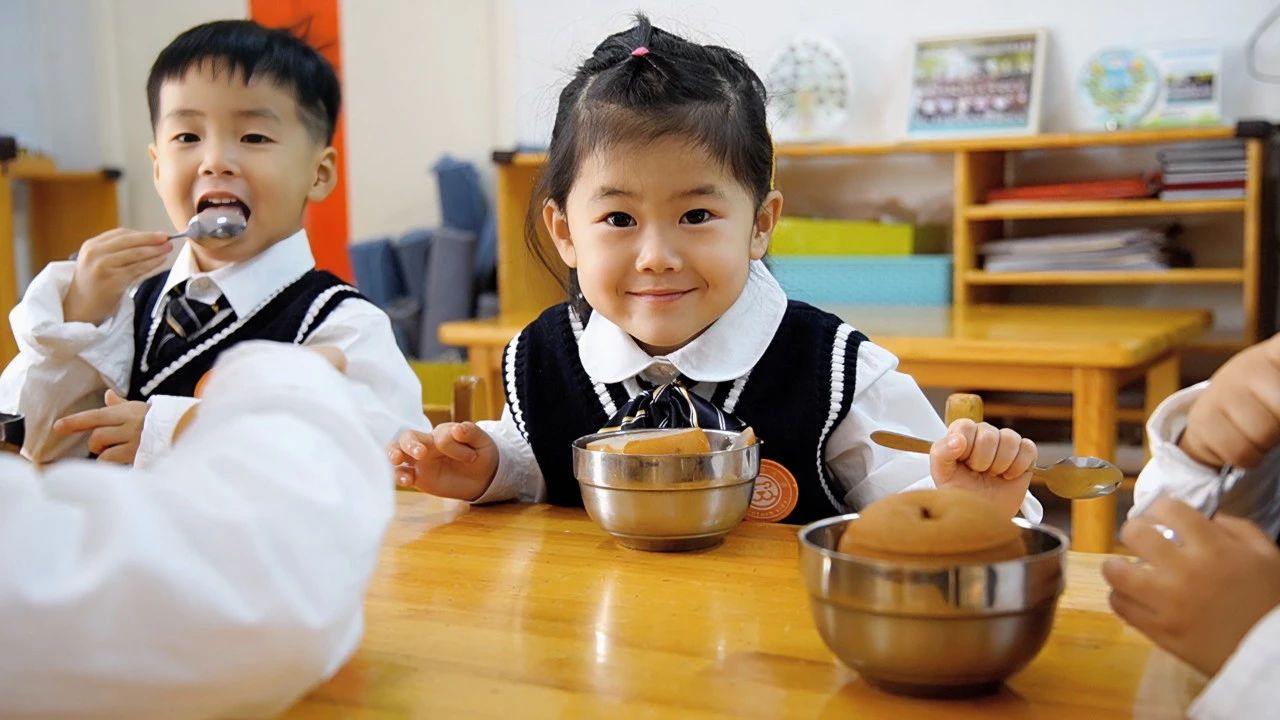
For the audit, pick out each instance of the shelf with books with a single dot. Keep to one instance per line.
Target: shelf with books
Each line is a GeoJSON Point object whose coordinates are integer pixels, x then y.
{"type": "Point", "coordinates": [1028, 210]}
{"type": "Point", "coordinates": [1174, 276]}
{"type": "Point", "coordinates": [981, 169]}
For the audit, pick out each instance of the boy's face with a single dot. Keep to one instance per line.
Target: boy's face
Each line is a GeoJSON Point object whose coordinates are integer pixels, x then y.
{"type": "Point", "coordinates": [218, 139]}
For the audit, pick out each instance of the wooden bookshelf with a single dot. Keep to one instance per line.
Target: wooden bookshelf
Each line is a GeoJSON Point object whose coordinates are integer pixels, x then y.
{"type": "Point", "coordinates": [979, 166]}
{"type": "Point", "coordinates": [1100, 209]}
{"type": "Point", "coordinates": [1175, 276]}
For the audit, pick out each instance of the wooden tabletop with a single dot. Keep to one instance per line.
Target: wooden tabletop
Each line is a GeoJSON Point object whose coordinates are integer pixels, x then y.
{"type": "Point", "coordinates": [532, 611]}
{"type": "Point", "coordinates": [992, 334]}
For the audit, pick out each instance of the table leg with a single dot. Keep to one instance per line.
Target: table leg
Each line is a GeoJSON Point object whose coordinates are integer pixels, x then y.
{"type": "Point", "coordinates": [1093, 432]}
{"type": "Point", "coordinates": [1163, 380]}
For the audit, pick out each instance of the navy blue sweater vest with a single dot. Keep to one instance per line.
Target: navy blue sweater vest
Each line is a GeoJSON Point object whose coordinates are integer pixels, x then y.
{"type": "Point", "coordinates": [289, 316]}
{"type": "Point", "coordinates": [795, 395]}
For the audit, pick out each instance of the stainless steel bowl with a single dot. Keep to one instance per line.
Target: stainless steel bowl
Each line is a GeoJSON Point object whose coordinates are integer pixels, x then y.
{"type": "Point", "coordinates": [952, 630]}
{"type": "Point", "coordinates": [667, 502]}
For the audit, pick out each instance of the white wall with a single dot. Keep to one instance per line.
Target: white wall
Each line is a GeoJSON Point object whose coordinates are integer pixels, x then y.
{"type": "Point", "coordinates": [48, 49]}
{"type": "Point", "coordinates": [420, 81]}
{"type": "Point", "coordinates": [876, 37]}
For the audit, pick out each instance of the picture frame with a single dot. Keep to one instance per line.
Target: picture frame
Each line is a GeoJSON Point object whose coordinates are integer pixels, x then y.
{"type": "Point", "coordinates": [977, 85]}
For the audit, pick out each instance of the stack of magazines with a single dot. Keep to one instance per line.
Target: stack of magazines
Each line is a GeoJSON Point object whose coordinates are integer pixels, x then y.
{"type": "Point", "coordinates": [1203, 171]}
{"type": "Point", "coordinates": [1139, 249]}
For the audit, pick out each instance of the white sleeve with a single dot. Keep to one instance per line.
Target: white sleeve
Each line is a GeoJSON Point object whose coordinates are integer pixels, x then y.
{"type": "Point", "coordinates": [1254, 494]}
{"type": "Point", "coordinates": [518, 475]}
{"type": "Point", "coordinates": [163, 414]}
{"type": "Point", "coordinates": [390, 392]}
{"type": "Point", "coordinates": [226, 581]}
{"type": "Point", "coordinates": [886, 399]}
{"type": "Point", "coordinates": [62, 367]}
{"type": "Point", "coordinates": [1246, 686]}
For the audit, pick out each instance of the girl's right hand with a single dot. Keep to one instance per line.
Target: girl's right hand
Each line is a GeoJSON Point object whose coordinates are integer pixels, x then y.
{"type": "Point", "coordinates": [454, 460]}
{"type": "Point", "coordinates": [108, 264]}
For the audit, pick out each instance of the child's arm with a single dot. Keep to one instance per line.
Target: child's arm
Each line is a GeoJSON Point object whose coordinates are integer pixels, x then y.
{"type": "Point", "coordinates": [1235, 420]}
{"type": "Point", "coordinates": [375, 364]}
{"type": "Point", "coordinates": [443, 462]}
{"type": "Point", "coordinates": [74, 329]}
{"type": "Point", "coordinates": [886, 399]}
{"type": "Point", "coordinates": [276, 501]}
{"type": "Point", "coordinates": [1212, 597]}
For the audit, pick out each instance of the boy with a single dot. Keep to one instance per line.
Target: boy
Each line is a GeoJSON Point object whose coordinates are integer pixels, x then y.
{"type": "Point", "coordinates": [1208, 590]}
{"type": "Point", "coordinates": [243, 117]}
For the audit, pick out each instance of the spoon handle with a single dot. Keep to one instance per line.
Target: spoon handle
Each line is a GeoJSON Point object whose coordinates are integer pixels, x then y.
{"type": "Point", "coordinates": [898, 441]}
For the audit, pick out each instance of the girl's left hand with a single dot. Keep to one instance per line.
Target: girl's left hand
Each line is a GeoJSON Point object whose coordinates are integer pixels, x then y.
{"type": "Point", "coordinates": [980, 457]}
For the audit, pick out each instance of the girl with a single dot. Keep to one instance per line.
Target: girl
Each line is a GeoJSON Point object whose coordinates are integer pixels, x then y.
{"type": "Point", "coordinates": [657, 195]}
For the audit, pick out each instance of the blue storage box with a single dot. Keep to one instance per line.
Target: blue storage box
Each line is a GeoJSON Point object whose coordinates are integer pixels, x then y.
{"type": "Point", "coordinates": [865, 280]}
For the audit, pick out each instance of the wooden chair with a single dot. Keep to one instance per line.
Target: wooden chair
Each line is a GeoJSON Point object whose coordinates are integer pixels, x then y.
{"type": "Point", "coordinates": [470, 401]}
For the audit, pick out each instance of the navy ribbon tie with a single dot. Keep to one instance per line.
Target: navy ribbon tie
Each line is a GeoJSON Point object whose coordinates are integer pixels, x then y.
{"type": "Point", "coordinates": [671, 406]}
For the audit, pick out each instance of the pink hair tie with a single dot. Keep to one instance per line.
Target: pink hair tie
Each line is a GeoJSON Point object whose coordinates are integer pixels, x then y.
{"type": "Point", "coordinates": [640, 51]}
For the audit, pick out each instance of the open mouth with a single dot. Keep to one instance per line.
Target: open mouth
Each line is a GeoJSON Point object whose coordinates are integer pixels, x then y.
{"type": "Point", "coordinates": [222, 200]}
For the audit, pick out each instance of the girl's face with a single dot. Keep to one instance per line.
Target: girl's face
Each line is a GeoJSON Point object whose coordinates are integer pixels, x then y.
{"type": "Point", "coordinates": [662, 238]}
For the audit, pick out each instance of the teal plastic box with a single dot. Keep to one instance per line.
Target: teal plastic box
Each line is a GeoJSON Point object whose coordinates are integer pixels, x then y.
{"type": "Point", "coordinates": [866, 280]}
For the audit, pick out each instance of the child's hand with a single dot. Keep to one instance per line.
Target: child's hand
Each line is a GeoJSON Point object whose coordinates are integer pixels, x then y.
{"type": "Point", "coordinates": [455, 460]}
{"type": "Point", "coordinates": [979, 457]}
{"type": "Point", "coordinates": [116, 429]}
{"type": "Point", "coordinates": [1199, 596]}
{"type": "Point", "coordinates": [105, 266]}
{"type": "Point", "coordinates": [1237, 419]}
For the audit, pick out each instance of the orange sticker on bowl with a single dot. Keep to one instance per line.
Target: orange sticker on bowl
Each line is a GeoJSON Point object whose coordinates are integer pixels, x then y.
{"type": "Point", "coordinates": [776, 493]}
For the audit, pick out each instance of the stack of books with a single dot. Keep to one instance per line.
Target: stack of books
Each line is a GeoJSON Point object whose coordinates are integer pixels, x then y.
{"type": "Point", "coordinates": [1203, 171]}
{"type": "Point", "coordinates": [1130, 188]}
{"type": "Point", "coordinates": [1138, 249]}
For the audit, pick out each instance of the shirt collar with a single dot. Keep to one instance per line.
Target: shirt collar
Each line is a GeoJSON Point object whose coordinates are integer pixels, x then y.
{"type": "Point", "coordinates": [726, 351]}
{"type": "Point", "coordinates": [246, 284]}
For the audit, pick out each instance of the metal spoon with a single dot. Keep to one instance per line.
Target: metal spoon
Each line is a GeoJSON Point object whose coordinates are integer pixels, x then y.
{"type": "Point", "coordinates": [1075, 478]}
{"type": "Point", "coordinates": [212, 222]}
{"type": "Point", "coordinates": [219, 221]}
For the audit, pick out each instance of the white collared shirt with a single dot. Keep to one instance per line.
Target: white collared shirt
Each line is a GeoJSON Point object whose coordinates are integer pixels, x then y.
{"type": "Point", "coordinates": [884, 399]}
{"type": "Point", "coordinates": [64, 367]}
{"type": "Point", "coordinates": [1245, 686]}
{"type": "Point", "coordinates": [225, 581]}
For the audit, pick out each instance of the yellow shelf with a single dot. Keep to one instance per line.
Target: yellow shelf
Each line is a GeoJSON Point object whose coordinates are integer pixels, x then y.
{"type": "Point", "coordinates": [1047, 141]}
{"type": "Point", "coordinates": [1102, 208]}
{"type": "Point", "coordinates": [1177, 276]}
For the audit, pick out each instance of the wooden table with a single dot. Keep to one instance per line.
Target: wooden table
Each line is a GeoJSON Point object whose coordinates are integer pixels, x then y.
{"type": "Point", "coordinates": [1089, 352]}
{"type": "Point", "coordinates": [528, 611]}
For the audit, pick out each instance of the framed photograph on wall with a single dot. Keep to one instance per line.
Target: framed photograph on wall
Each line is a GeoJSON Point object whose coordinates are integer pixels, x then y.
{"type": "Point", "coordinates": [975, 85]}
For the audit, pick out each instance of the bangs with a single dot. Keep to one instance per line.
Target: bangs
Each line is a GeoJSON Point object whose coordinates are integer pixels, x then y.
{"type": "Point", "coordinates": [602, 127]}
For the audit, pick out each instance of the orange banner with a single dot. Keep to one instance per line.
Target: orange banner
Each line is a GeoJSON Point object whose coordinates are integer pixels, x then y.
{"type": "Point", "coordinates": [316, 21]}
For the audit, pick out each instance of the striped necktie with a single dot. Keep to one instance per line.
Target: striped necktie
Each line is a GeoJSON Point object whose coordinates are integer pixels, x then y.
{"type": "Point", "coordinates": [184, 321]}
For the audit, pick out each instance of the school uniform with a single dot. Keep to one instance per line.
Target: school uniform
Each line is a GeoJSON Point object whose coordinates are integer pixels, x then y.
{"type": "Point", "coordinates": [64, 367]}
{"type": "Point", "coordinates": [225, 581]}
{"type": "Point", "coordinates": [812, 387]}
{"type": "Point", "coordinates": [1243, 687]}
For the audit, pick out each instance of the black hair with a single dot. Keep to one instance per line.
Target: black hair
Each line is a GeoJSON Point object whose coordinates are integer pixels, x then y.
{"type": "Point", "coordinates": [247, 49]}
{"type": "Point", "coordinates": [644, 84]}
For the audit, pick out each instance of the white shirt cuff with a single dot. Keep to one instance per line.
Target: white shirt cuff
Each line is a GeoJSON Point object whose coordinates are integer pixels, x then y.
{"type": "Point", "coordinates": [158, 426]}
{"type": "Point", "coordinates": [1171, 471]}
{"type": "Point", "coordinates": [506, 484]}
{"type": "Point", "coordinates": [1245, 686]}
